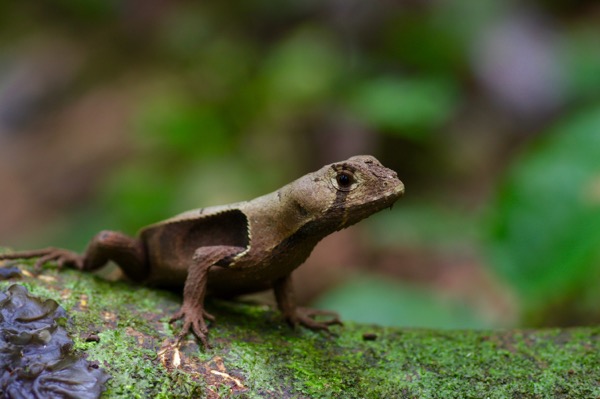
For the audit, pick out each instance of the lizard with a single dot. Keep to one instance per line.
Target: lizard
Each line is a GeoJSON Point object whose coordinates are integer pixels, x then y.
{"type": "Point", "coordinates": [244, 247]}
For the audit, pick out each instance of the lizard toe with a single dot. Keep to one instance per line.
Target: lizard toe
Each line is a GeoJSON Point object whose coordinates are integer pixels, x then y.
{"type": "Point", "coordinates": [177, 316]}
{"type": "Point", "coordinates": [62, 258]}
{"type": "Point", "coordinates": [39, 263]}
{"type": "Point", "coordinates": [307, 317]}
{"type": "Point", "coordinates": [208, 316]}
{"type": "Point", "coordinates": [193, 321]}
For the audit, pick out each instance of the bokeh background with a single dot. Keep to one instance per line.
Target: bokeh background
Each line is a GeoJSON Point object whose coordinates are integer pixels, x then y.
{"type": "Point", "coordinates": [116, 114]}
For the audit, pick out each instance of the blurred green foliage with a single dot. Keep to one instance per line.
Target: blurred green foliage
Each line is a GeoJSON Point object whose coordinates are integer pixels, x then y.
{"type": "Point", "coordinates": [407, 107]}
{"type": "Point", "coordinates": [425, 225]}
{"type": "Point", "coordinates": [545, 232]}
{"type": "Point", "coordinates": [583, 63]}
{"type": "Point", "coordinates": [378, 301]}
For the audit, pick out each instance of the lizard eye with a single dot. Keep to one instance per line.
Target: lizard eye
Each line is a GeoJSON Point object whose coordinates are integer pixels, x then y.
{"type": "Point", "coordinates": [345, 180]}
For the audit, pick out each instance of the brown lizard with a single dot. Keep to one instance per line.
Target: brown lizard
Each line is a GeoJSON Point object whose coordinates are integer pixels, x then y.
{"type": "Point", "coordinates": [244, 247]}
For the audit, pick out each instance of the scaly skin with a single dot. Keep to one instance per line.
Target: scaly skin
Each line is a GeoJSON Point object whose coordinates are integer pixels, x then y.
{"type": "Point", "coordinates": [243, 247]}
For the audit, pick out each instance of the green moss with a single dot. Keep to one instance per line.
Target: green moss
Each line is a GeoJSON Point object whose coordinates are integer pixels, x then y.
{"type": "Point", "coordinates": [256, 355]}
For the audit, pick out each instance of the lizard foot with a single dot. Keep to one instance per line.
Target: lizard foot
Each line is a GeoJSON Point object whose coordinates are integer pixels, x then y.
{"type": "Point", "coordinates": [62, 257]}
{"type": "Point", "coordinates": [193, 321]}
{"type": "Point", "coordinates": [307, 318]}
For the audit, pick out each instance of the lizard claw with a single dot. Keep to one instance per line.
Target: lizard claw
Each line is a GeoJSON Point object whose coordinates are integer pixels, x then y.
{"type": "Point", "coordinates": [307, 318]}
{"type": "Point", "coordinates": [208, 315]}
{"type": "Point", "coordinates": [193, 321]}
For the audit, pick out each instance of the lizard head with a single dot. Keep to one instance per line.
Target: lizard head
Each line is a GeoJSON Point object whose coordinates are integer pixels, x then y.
{"type": "Point", "coordinates": [343, 193]}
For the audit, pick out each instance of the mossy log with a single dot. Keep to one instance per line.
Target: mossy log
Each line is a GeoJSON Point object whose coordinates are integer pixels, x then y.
{"type": "Point", "coordinates": [124, 328]}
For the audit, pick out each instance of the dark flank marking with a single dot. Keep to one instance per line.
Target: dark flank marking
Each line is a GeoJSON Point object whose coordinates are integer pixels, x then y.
{"type": "Point", "coordinates": [309, 231]}
{"type": "Point", "coordinates": [226, 228]}
{"type": "Point", "coordinates": [300, 209]}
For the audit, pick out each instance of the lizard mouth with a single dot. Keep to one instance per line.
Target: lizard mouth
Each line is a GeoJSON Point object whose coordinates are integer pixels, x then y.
{"type": "Point", "coordinates": [396, 194]}
{"type": "Point", "coordinates": [399, 189]}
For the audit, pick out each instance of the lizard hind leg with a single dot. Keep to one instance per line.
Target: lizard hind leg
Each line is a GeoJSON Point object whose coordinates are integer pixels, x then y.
{"type": "Point", "coordinates": [127, 252]}
{"type": "Point", "coordinates": [294, 315]}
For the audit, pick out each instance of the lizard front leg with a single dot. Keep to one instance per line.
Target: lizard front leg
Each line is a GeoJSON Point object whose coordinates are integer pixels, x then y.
{"type": "Point", "coordinates": [294, 315]}
{"type": "Point", "coordinates": [192, 311]}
